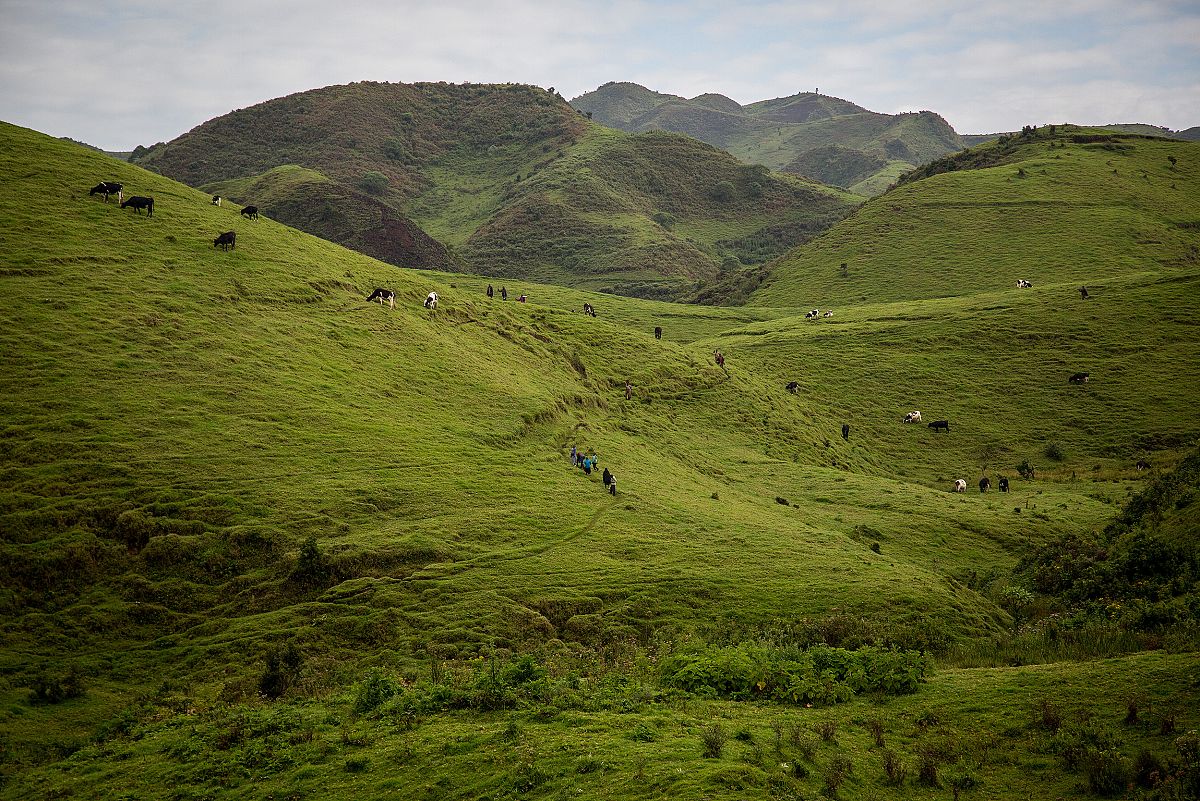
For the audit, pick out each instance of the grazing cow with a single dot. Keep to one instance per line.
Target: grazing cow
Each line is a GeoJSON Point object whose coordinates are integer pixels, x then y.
{"type": "Point", "coordinates": [137, 203]}
{"type": "Point", "coordinates": [588, 310]}
{"type": "Point", "coordinates": [383, 296]}
{"type": "Point", "coordinates": [793, 386]}
{"type": "Point", "coordinates": [1023, 284]}
{"type": "Point", "coordinates": [216, 201]}
{"type": "Point", "coordinates": [940, 424]}
{"type": "Point", "coordinates": [431, 300]}
{"type": "Point", "coordinates": [107, 188]}
{"type": "Point", "coordinates": [912, 417]}
{"type": "Point", "coordinates": [828, 313]}
{"type": "Point", "coordinates": [1003, 484]}
{"type": "Point", "coordinates": [985, 484]}
{"type": "Point", "coordinates": [812, 315]}
{"type": "Point", "coordinates": [1078, 378]}
{"type": "Point", "coordinates": [960, 485]}
{"type": "Point", "coordinates": [1143, 464]}
{"type": "Point", "coordinates": [250, 212]}
{"type": "Point", "coordinates": [226, 240]}
{"type": "Point", "coordinates": [658, 332]}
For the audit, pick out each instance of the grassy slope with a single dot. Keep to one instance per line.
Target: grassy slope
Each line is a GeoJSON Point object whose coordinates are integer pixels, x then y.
{"type": "Point", "coordinates": [511, 178]}
{"type": "Point", "coordinates": [780, 133]}
{"type": "Point", "coordinates": [250, 399]}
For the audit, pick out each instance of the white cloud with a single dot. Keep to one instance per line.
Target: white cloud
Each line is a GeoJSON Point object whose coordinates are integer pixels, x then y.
{"type": "Point", "coordinates": [137, 71]}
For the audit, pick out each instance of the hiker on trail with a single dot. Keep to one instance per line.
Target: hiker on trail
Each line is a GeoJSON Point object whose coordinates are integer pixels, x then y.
{"type": "Point", "coordinates": [607, 477]}
{"type": "Point", "coordinates": [587, 466]}
{"type": "Point", "coordinates": [490, 290]}
{"type": "Point", "coordinates": [612, 486]}
{"type": "Point", "coordinates": [628, 389]}
{"type": "Point", "coordinates": [503, 293]}
{"type": "Point", "coordinates": [572, 454]}
{"type": "Point", "coordinates": [846, 431]}
{"type": "Point", "coordinates": [719, 359]}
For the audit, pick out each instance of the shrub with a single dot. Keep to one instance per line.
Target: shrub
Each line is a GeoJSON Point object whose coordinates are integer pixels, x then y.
{"type": "Point", "coordinates": [1108, 771]}
{"type": "Point", "coordinates": [1048, 716]}
{"type": "Point", "coordinates": [47, 688]}
{"type": "Point", "coordinates": [664, 219]}
{"type": "Point", "coordinates": [397, 149]}
{"type": "Point", "coordinates": [713, 737]}
{"type": "Point", "coordinates": [876, 729]}
{"type": "Point", "coordinates": [310, 566]}
{"type": "Point", "coordinates": [1148, 769]}
{"type": "Point", "coordinates": [723, 192]}
{"type": "Point", "coordinates": [835, 774]}
{"type": "Point", "coordinates": [374, 182]}
{"type": "Point", "coordinates": [894, 769]}
{"type": "Point", "coordinates": [282, 668]}
{"type": "Point", "coordinates": [827, 729]}
{"type": "Point", "coordinates": [1054, 451]}
{"type": "Point", "coordinates": [1025, 469]}
{"type": "Point", "coordinates": [372, 691]}
{"type": "Point", "coordinates": [135, 528]}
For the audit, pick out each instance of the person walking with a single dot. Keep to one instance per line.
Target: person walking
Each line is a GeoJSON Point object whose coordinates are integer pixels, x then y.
{"type": "Point", "coordinates": [607, 476]}
{"type": "Point", "coordinates": [490, 291]}
{"type": "Point", "coordinates": [503, 293]}
{"type": "Point", "coordinates": [612, 485]}
{"type": "Point", "coordinates": [572, 454]}
{"type": "Point", "coordinates": [628, 389]}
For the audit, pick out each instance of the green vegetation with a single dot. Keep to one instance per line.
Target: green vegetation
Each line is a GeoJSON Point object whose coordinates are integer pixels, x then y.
{"type": "Point", "coordinates": [503, 180]}
{"type": "Point", "coordinates": [823, 138]}
{"type": "Point", "coordinates": [259, 538]}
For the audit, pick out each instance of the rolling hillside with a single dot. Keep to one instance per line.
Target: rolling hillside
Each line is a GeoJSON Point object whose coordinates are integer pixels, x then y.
{"type": "Point", "coordinates": [261, 538]}
{"type": "Point", "coordinates": [824, 138]}
{"type": "Point", "coordinates": [504, 180]}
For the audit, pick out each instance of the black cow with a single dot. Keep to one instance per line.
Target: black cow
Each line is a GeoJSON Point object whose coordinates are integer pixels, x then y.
{"type": "Point", "coordinates": [792, 386]}
{"type": "Point", "coordinates": [250, 212]}
{"type": "Point", "coordinates": [1143, 464]}
{"type": "Point", "coordinates": [383, 296]}
{"type": "Point", "coordinates": [1003, 484]}
{"type": "Point", "coordinates": [107, 188]}
{"type": "Point", "coordinates": [137, 203]}
{"type": "Point", "coordinates": [985, 484]}
{"type": "Point", "coordinates": [940, 424]}
{"type": "Point", "coordinates": [658, 332]}
{"type": "Point", "coordinates": [1078, 378]}
{"type": "Point", "coordinates": [226, 240]}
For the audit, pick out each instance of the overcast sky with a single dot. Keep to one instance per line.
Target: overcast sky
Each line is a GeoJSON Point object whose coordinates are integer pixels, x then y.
{"type": "Point", "coordinates": [118, 73]}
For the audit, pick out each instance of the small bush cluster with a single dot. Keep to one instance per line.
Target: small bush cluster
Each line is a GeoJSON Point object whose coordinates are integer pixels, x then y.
{"type": "Point", "coordinates": [817, 675]}
{"type": "Point", "coordinates": [53, 688]}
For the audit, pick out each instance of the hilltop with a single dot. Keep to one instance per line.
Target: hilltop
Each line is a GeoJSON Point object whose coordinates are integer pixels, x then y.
{"type": "Point", "coordinates": [824, 138]}
{"type": "Point", "coordinates": [503, 180]}
{"type": "Point", "coordinates": [262, 538]}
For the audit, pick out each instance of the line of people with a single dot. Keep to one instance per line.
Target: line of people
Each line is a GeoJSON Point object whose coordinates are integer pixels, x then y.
{"type": "Point", "coordinates": [588, 463]}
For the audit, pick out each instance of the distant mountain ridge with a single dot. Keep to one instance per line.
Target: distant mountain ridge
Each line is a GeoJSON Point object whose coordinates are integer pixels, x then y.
{"type": "Point", "coordinates": [500, 179]}
{"type": "Point", "coordinates": [820, 137]}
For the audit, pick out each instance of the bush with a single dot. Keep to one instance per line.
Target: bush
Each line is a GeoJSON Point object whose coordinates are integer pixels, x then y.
{"type": "Point", "coordinates": [1109, 773]}
{"type": "Point", "coordinates": [723, 192]}
{"type": "Point", "coordinates": [1025, 469]}
{"type": "Point", "coordinates": [372, 691]}
{"type": "Point", "coordinates": [1054, 451]}
{"type": "Point", "coordinates": [895, 770]}
{"type": "Point", "coordinates": [374, 182]}
{"type": "Point", "coordinates": [835, 774]}
{"type": "Point", "coordinates": [47, 688]}
{"type": "Point", "coordinates": [713, 737]}
{"type": "Point", "coordinates": [310, 567]}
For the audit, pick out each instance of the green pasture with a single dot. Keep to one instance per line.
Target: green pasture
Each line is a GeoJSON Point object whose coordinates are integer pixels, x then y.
{"type": "Point", "coordinates": [209, 456]}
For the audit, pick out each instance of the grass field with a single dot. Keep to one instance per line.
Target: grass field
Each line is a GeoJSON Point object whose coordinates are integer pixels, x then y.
{"type": "Point", "coordinates": [263, 539]}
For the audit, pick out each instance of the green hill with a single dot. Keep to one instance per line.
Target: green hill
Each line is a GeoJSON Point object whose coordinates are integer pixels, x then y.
{"type": "Point", "coordinates": [820, 137]}
{"type": "Point", "coordinates": [260, 538]}
{"type": "Point", "coordinates": [504, 180]}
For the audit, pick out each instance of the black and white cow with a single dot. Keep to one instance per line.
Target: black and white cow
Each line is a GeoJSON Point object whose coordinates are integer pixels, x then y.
{"type": "Point", "coordinates": [383, 296]}
{"type": "Point", "coordinates": [107, 188]}
{"type": "Point", "coordinates": [1078, 378]}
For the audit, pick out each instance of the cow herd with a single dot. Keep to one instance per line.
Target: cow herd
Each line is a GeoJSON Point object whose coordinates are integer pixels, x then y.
{"type": "Point", "coordinates": [138, 203]}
